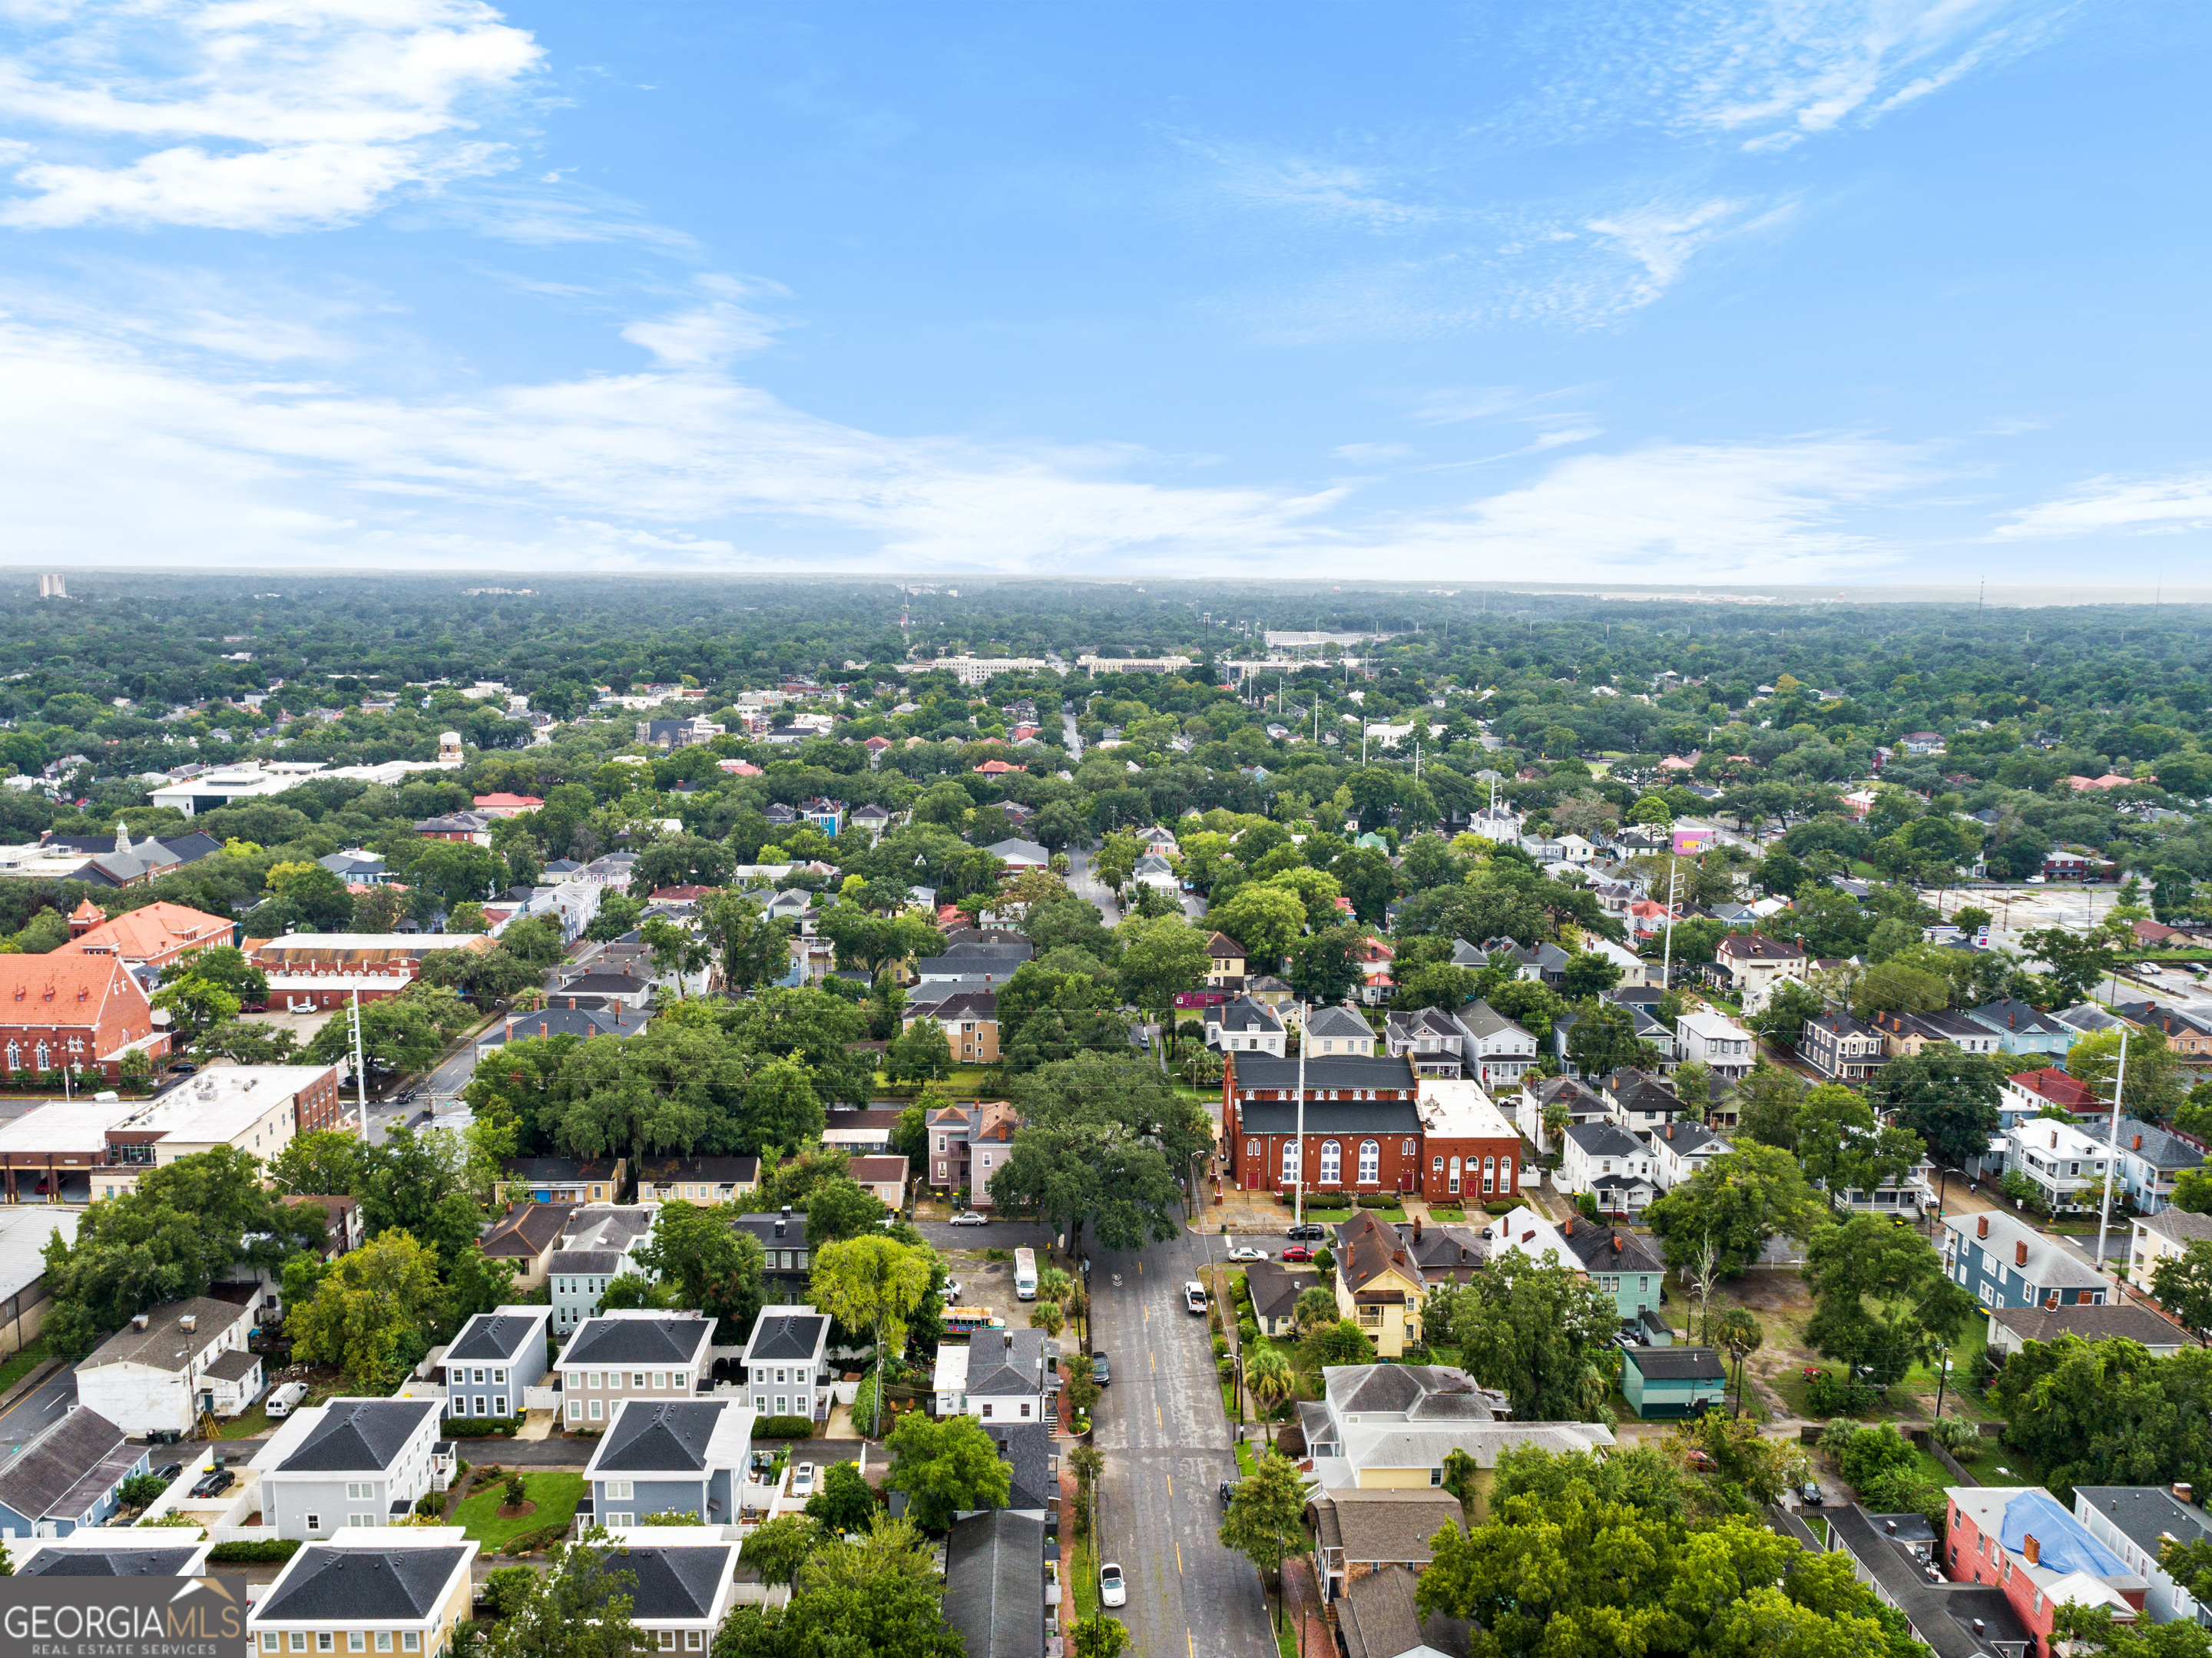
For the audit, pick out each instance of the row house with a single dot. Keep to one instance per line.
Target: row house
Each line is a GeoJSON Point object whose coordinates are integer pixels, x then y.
{"type": "Point", "coordinates": [968, 1143]}
{"type": "Point", "coordinates": [786, 1362]}
{"type": "Point", "coordinates": [631, 1353]}
{"type": "Point", "coordinates": [2006, 1262]}
{"type": "Point", "coordinates": [1905, 1034]}
{"type": "Point", "coordinates": [1571, 1099]}
{"type": "Point", "coordinates": [494, 1357]}
{"type": "Point", "coordinates": [1499, 1051]}
{"type": "Point", "coordinates": [1607, 1161]}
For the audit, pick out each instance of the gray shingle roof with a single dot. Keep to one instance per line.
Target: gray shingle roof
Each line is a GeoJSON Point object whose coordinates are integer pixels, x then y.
{"type": "Point", "coordinates": [637, 1341]}
{"type": "Point", "coordinates": [235, 1365]}
{"type": "Point", "coordinates": [108, 1562]}
{"type": "Point", "coordinates": [1481, 1019]}
{"type": "Point", "coordinates": [495, 1335]}
{"type": "Point", "coordinates": [672, 1583]}
{"type": "Point", "coordinates": [357, 1436]}
{"type": "Point", "coordinates": [994, 1584]}
{"type": "Point", "coordinates": [650, 1438]}
{"type": "Point", "coordinates": [1335, 1070]}
{"type": "Point", "coordinates": [324, 1584]}
{"type": "Point", "coordinates": [45, 1470]}
{"type": "Point", "coordinates": [2147, 1514]}
{"type": "Point", "coordinates": [2125, 1321]}
{"type": "Point", "coordinates": [782, 1335]}
{"type": "Point", "coordinates": [1276, 1288]}
{"type": "Point", "coordinates": [165, 1343]}
{"type": "Point", "coordinates": [1338, 1023]}
{"type": "Point", "coordinates": [1604, 1140]}
{"type": "Point", "coordinates": [1004, 1362]}
{"type": "Point", "coordinates": [1332, 1116]}
{"type": "Point", "coordinates": [1676, 1363]}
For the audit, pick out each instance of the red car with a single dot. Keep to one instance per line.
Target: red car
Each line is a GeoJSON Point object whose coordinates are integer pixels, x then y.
{"type": "Point", "coordinates": [1297, 1252]}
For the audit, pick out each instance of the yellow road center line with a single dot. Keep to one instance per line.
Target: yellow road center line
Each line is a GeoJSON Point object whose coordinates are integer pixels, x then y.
{"type": "Point", "coordinates": [1178, 1560]}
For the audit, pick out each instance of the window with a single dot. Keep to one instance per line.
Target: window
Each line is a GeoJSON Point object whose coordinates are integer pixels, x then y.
{"type": "Point", "coordinates": [986, 1409]}
{"type": "Point", "coordinates": [1407, 1150]}
{"type": "Point", "coordinates": [1371, 1162]}
{"type": "Point", "coordinates": [595, 1410]}
{"type": "Point", "coordinates": [1435, 1476]}
{"type": "Point", "coordinates": [660, 1380]}
{"type": "Point", "coordinates": [620, 1490]}
{"type": "Point", "coordinates": [1332, 1162]}
{"type": "Point", "coordinates": [270, 1640]}
{"type": "Point", "coordinates": [356, 1640]}
{"type": "Point", "coordinates": [1436, 1165]}
{"type": "Point", "coordinates": [1506, 1173]}
{"type": "Point", "coordinates": [356, 1522]}
{"type": "Point", "coordinates": [622, 1522]}
{"type": "Point", "coordinates": [384, 1640]}
{"type": "Point", "coordinates": [575, 1410]}
{"type": "Point", "coordinates": [326, 1640]}
{"type": "Point", "coordinates": [409, 1641]}
{"type": "Point", "coordinates": [359, 1490]}
{"type": "Point", "coordinates": [298, 1641]}
{"type": "Point", "coordinates": [1026, 1407]}
{"type": "Point", "coordinates": [637, 1380]}
{"type": "Point", "coordinates": [783, 1401]}
{"type": "Point", "coordinates": [314, 1524]}
{"type": "Point", "coordinates": [668, 1640]}
{"type": "Point", "coordinates": [695, 1640]}
{"type": "Point", "coordinates": [596, 1381]}
{"type": "Point", "coordinates": [1290, 1160]}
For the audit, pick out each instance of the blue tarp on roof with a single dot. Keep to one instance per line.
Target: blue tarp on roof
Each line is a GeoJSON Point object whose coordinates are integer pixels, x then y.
{"type": "Point", "coordinates": [2062, 1543]}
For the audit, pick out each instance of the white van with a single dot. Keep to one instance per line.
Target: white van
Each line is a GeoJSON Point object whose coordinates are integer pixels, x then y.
{"type": "Point", "coordinates": [287, 1398]}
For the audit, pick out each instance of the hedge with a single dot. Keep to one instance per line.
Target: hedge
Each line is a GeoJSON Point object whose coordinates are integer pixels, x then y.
{"type": "Point", "coordinates": [784, 1427]}
{"type": "Point", "coordinates": [1381, 1199]}
{"type": "Point", "coordinates": [250, 1554]}
{"type": "Point", "coordinates": [480, 1427]}
{"type": "Point", "coordinates": [531, 1542]}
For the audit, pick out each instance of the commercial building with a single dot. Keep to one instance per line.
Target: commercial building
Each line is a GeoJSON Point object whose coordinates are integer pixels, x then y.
{"type": "Point", "coordinates": [173, 1364]}
{"type": "Point", "coordinates": [75, 1012]}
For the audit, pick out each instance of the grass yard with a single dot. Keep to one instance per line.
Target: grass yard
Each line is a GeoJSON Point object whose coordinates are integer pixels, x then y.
{"type": "Point", "coordinates": [1247, 1464]}
{"type": "Point", "coordinates": [1085, 1573]}
{"type": "Point", "coordinates": [21, 1365]}
{"type": "Point", "coordinates": [252, 1425]}
{"type": "Point", "coordinates": [555, 1493]}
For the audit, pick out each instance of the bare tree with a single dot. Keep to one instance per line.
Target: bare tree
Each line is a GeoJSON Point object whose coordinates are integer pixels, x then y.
{"type": "Point", "coordinates": [1704, 1274]}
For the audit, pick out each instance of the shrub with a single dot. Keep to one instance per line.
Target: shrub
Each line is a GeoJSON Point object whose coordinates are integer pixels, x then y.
{"type": "Point", "coordinates": [429, 1503]}
{"type": "Point", "coordinates": [507, 1588]}
{"type": "Point", "coordinates": [516, 1494]}
{"type": "Point", "coordinates": [480, 1427]}
{"type": "Point", "coordinates": [531, 1542]}
{"type": "Point", "coordinates": [783, 1427]}
{"type": "Point", "coordinates": [1380, 1199]}
{"type": "Point", "coordinates": [254, 1554]}
{"type": "Point", "coordinates": [1830, 1394]}
{"type": "Point", "coordinates": [1247, 1333]}
{"type": "Point", "coordinates": [1221, 1347]}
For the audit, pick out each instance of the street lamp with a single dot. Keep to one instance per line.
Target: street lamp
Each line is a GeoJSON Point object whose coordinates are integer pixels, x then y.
{"type": "Point", "coordinates": [1942, 1374]}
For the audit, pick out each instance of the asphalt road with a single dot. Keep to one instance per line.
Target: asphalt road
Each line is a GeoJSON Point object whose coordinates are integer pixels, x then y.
{"type": "Point", "coordinates": [1166, 1449]}
{"type": "Point", "coordinates": [37, 1410]}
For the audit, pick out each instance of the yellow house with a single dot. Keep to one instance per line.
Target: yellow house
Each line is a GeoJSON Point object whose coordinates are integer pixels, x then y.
{"type": "Point", "coordinates": [399, 1590]}
{"type": "Point", "coordinates": [1378, 1286]}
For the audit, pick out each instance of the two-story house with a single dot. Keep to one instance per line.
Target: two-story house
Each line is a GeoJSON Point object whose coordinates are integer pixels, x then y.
{"type": "Point", "coordinates": [526, 1238]}
{"type": "Point", "coordinates": [2008, 1263]}
{"type": "Point", "coordinates": [2025, 1094]}
{"type": "Point", "coordinates": [968, 1143]}
{"type": "Point", "coordinates": [1575, 1100]}
{"type": "Point", "coordinates": [1337, 1031]}
{"type": "Point", "coordinates": [785, 1261]}
{"type": "Point", "coordinates": [598, 1245]}
{"type": "Point", "coordinates": [1906, 1033]}
{"type": "Point", "coordinates": [1429, 1036]}
{"type": "Point", "coordinates": [669, 1458]}
{"type": "Point", "coordinates": [1379, 1286]}
{"type": "Point", "coordinates": [684, 1583]}
{"type": "Point", "coordinates": [1607, 1161]}
{"type": "Point", "coordinates": [2188, 1032]}
{"type": "Point", "coordinates": [1681, 1149]}
{"type": "Point", "coordinates": [2023, 1540]}
{"type": "Point", "coordinates": [1625, 1265]}
{"type": "Point", "coordinates": [786, 1363]}
{"type": "Point", "coordinates": [560, 1180]}
{"type": "Point", "coordinates": [67, 1474]}
{"type": "Point", "coordinates": [2068, 1164]}
{"type": "Point", "coordinates": [1840, 1047]}
{"type": "Point", "coordinates": [998, 1377]}
{"type": "Point", "coordinates": [1751, 965]}
{"type": "Point", "coordinates": [494, 1357]}
{"type": "Point", "coordinates": [631, 1353]}
{"type": "Point", "coordinates": [2137, 1522]}
{"type": "Point", "coordinates": [1225, 959]}
{"type": "Point", "coordinates": [160, 1372]}
{"type": "Point", "coordinates": [347, 1464]}
{"type": "Point", "coordinates": [1244, 1026]}
{"type": "Point", "coordinates": [696, 1180]}
{"type": "Point", "coordinates": [1380, 1426]}
{"type": "Point", "coordinates": [1640, 1102]}
{"type": "Point", "coordinates": [1499, 1053]}
{"type": "Point", "coordinates": [968, 1015]}
{"type": "Point", "coordinates": [402, 1591]}
{"type": "Point", "coordinates": [1714, 1041]}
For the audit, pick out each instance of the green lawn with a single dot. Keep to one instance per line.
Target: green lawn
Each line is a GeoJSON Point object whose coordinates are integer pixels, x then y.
{"type": "Point", "coordinates": [1246, 1463]}
{"type": "Point", "coordinates": [555, 1493]}
{"type": "Point", "coordinates": [1085, 1573]}
{"type": "Point", "coordinates": [21, 1365]}
{"type": "Point", "coordinates": [252, 1425]}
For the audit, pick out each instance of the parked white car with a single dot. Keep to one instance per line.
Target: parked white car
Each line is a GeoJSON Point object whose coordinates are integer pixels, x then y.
{"type": "Point", "coordinates": [969, 1218]}
{"type": "Point", "coordinates": [1193, 1296]}
{"type": "Point", "coordinates": [802, 1480]}
{"type": "Point", "coordinates": [1112, 1591]}
{"type": "Point", "coordinates": [1246, 1252]}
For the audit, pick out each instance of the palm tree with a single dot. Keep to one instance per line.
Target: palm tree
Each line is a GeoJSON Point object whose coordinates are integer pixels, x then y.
{"type": "Point", "coordinates": [1047, 1316]}
{"type": "Point", "coordinates": [1268, 1374]}
{"type": "Point", "coordinates": [1736, 1330]}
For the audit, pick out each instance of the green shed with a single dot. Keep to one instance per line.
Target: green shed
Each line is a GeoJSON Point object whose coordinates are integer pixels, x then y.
{"type": "Point", "coordinates": [1670, 1381]}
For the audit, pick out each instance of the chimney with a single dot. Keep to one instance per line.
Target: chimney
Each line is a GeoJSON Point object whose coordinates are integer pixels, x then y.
{"type": "Point", "coordinates": [140, 1322]}
{"type": "Point", "coordinates": [571, 1003]}
{"type": "Point", "coordinates": [1616, 1243]}
{"type": "Point", "coordinates": [2137, 1146]}
{"type": "Point", "coordinates": [1977, 1626]}
{"type": "Point", "coordinates": [1416, 1229]}
{"type": "Point", "coordinates": [188, 1322]}
{"type": "Point", "coordinates": [2034, 1549]}
{"type": "Point", "coordinates": [1670, 1131]}
{"type": "Point", "coordinates": [1568, 1230]}
{"type": "Point", "coordinates": [2019, 1253]}
{"type": "Point", "coordinates": [1890, 1524]}
{"type": "Point", "coordinates": [1399, 1255]}
{"type": "Point", "coordinates": [2182, 1491]}
{"type": "Point", "coordinates": [1981, 1226]}
{"type": "Point", "coordinates": [541, 1027]}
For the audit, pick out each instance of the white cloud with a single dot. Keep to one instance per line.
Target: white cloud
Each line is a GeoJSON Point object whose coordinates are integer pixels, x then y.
{"type": "Point", "coordinates": [712, 332]}
{"type": "Point", "coordinates": [1368, 453]}
{"type": "Point", "coordinates": [2110, 505]}
{"type": "Point", "coordinates": [1661, 239]}
{"type": "Point", "coordinates": [262, 115]}
{"type": "Point", "coordinates": [1680, 512]}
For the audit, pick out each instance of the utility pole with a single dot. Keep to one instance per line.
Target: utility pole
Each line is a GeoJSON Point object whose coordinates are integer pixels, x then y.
{"type": "Point", "coordinates": [1298, 1191]}
{"type": "Point", "coordinates": [360, 1067]}
{"type": "Point", "coordinates": [2113, 1150]}
{"type": "Point", "coordinates": [1667, 958]}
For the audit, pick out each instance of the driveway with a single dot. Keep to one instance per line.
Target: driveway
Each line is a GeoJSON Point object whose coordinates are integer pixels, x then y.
{"type": "Point", "coordinates": [1166, 1449]}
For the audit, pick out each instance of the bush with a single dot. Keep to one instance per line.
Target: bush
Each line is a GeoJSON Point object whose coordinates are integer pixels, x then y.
{"type": "Point", "coordinates": [531, 1542]}
{"type": "Point", "coordinates": [1380, 1201]}
{"type": "Point", "coordinates": [254, 1554]}
{"type": "Point", "coordinates": [1830, 1394]}
{"type": "Point", "coordinates": [1247, 1333]}
{"type": "Point", "coordinates": [429, 1503]}
{"type": "Point", "coordinates": [1324, 1262]}
{"type": "Point", "coordinates": [516, 1494]}
{"type": "Point", "coordinates": [1221, 1347]}
{"type": "Point", "coordinates": [480, 1427]}
{"type": "Point", "coordinates": [507, 1588]}
{"type": "Point", "coordinates": [784, 1427]}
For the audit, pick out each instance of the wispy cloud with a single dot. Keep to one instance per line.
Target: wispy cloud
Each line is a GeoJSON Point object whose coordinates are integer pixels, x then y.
{"type": "Point", "coordinates": [1375, 454]}
{"type": "Point", "coordinates": [264, 115]}
{"type": "Point", "coordinates": [2111, 505]}
{"type": "Point", "coordinates": [1330, 191]}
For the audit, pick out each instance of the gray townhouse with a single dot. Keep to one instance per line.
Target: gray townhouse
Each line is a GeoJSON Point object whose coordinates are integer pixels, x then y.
{"type": "Point", "coordinates": [1433, 1038]}
{"type": "Point", "coordinates": [598, 1245]}
{"type": "Point", "coordinates": [668, 1457]}
{"type": "Point", "coordinates": [631, 1353]}
{"type": "Point", "coordinates": [786, 1259]}
{"type": "Point", "coordinates": [347, 1464]}
{"type": "Point", "coordinates": [785, 1361]}
{"type": "Point", "coordinates": [1840, 1047]}
{"type": "Point", "coordinates": [2008, 1263]}
{"type": "Point", "coordinates": [493, 1358]}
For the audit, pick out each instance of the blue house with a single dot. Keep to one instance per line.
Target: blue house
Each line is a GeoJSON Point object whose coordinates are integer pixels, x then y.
{"type": "Point", "coordinates": [67, 1477]}
{"type": "Point", "coordinates": [1670, 1380]}
{"type": "Point", "coordinates": [2022, 1029]}
{"type": "Point", "coordinates": [2008, 1263]}
{"type": "Point", "coordinates": [682, 1456]}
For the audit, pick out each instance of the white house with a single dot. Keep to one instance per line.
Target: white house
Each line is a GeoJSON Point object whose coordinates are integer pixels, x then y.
{"type": "Point", "coordinates": [160, 1371]}
{"type": "Point", "coordinates": [1715, 1041]}
{"type": "Point", "coordinates": [1244, 1026]}
{"type": "Point", "coordinates": [1337, 1031]}
{"type": "Point", "coordinates": [2163, 1236]}
{"type": "Point", "coordinates": [2067, 1164]}
{"type": "Point", "coordinates": [1538, 1093]}
{"type": "Point", "coordinates": [348, 1464]}
{"type": "Point", "coordinates": [1000, 1375]}
{"type": "Point", "coordinates": [1155, 872]}
{"type": "Point", "coordinates": [1606, 1160]}
{"type": "Point", "coordinates": [1681, 1149]}
{"type": "Point", "coordinates": [598, 1245]}
{"type": "Point", "coordinates": [1499, 1053]}
{"type": "Point", "coordinates": [1753, 964]}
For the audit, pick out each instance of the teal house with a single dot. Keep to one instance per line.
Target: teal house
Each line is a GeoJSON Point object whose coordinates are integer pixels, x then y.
{"type": "Point", "coordinates": [1671, 1382]}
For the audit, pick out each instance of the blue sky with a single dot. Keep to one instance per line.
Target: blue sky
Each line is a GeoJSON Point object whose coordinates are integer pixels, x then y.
{"type": "Point", "coordinates": [1712, 292]}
